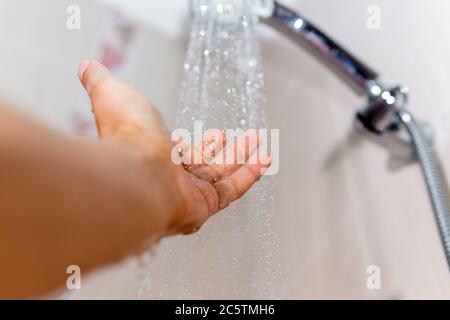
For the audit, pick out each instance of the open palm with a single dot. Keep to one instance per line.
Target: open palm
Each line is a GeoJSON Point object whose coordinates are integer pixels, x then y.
{"type": "Point", "coordinates": [204, 188]}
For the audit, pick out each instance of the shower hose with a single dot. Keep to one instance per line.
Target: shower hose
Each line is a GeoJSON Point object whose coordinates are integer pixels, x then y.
{"type": "Point", "coordinates": [434, 177]}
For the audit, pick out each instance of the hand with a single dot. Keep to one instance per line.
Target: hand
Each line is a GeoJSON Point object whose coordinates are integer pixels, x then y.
{"type": "Point", "coordinates": [194, 192]}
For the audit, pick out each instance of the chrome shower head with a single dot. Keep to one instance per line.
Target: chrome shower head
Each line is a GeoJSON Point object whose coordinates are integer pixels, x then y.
{"type": "Point", "coordinates": [297, 28]}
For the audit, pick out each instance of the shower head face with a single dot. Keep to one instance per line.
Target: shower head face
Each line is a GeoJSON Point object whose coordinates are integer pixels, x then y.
{"type": "Point", "coordinates": [227, 15]}
{"type": "Point", "coordinates": [225, 11]}
{"type": "Point", "coordinates": [229, 11]}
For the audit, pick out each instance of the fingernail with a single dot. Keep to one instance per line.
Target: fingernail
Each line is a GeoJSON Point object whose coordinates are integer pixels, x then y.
{"type": "Point", "coordinates": [82, 69]}
{"type": "Point", "coordinates": [265, 160]}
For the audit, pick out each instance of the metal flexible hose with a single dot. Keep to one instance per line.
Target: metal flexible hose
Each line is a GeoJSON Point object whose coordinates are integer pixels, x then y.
{"type": "Point", "coordinates": [434, 177]}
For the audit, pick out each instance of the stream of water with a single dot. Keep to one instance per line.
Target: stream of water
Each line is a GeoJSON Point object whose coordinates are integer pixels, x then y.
{"type": "Point", "coordinates": [235, 254]}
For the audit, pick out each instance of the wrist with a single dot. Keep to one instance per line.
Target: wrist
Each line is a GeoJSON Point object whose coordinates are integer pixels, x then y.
{"type": "Point", "coordinates": [161, 177]}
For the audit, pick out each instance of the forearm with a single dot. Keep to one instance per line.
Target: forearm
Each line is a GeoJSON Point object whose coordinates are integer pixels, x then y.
{"type": "Point", "coordinates": [66, 201]}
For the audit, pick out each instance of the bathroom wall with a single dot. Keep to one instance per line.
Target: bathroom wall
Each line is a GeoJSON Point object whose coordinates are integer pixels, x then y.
{"type": "Point", "coordinates": [339, 209]}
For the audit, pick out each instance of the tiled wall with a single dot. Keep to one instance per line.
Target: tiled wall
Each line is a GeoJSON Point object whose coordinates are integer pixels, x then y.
{"type": "Point", "coordinates": [338, 207]}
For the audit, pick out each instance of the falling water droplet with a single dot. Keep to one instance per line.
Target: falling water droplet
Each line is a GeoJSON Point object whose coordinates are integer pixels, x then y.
{"type": "Point", "coordinates": [203, 9]}
{"type": "Point", "coordinates": [220, 8]}
{"type": "Point", "coordinates": [224, 35]}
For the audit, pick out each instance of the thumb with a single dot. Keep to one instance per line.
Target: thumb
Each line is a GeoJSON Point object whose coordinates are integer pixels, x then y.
{"type": "Point", "coordinates": [120, 110]}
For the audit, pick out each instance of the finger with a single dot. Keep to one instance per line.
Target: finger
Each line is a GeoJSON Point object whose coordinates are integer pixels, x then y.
{"type": "Point", "coordinates": [200, 156]}
{"type": "Point", "coordinates": [213, 142]}
{"type": "Point", "coordinates": [119, 109]}
{"type": "Point", "coordinates": [236, 185]}
{"type": "Point", "coordinates": [209, 194]}
{"type": "Point", "coordinates": [198, 212]}
{"type": "Point", "coordinates": [230, 159]}
{"type": "Point", "coordinates": [181, 153]}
